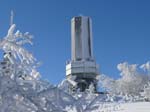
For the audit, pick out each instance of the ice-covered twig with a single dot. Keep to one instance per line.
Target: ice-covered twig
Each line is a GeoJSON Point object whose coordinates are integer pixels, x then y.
{"type": "Point", "coordinates": [13, 42]}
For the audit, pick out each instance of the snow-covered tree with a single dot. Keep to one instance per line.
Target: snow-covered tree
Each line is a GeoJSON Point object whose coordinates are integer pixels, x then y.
{"type": "Point", "coordinates": [129, 85]}
{"type": "Point", "coordinates": [21, 89]}
{"type": "Point", "coordinates": [146, 92]}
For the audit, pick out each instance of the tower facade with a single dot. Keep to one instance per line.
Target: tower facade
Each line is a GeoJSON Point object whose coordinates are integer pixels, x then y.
{"type": "Point", "coordinates": [82, 64]}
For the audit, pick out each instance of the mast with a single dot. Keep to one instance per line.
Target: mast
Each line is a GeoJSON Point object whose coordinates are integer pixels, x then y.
{"type": "Point", "coordinates": [11, 17]}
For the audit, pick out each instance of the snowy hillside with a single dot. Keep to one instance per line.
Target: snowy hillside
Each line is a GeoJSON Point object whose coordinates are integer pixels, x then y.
{"type": "Point", "coordinates": [135, 107]}
{"type": "Point", "coordinates": [22, 89]}
{"type": "Point", "coordinates": [123, 107]}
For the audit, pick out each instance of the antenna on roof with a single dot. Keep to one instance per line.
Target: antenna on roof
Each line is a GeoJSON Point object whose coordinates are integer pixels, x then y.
{"type": "Point", "coordinates": [11, 17]}
{"type": "Point", "coordinates": [81, 15]}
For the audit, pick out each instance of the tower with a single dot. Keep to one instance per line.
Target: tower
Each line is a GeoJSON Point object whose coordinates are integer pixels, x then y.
{"type": "Point", "coordinates": [82, 64]}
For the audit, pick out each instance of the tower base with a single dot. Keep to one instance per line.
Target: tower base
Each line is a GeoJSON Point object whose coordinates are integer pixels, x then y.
{"type": "Point", "coordinates": [85, 73]}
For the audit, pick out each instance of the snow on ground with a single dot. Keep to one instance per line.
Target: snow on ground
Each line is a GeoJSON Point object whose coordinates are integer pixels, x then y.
{"type": "Point", "coordinates": [130, 107]}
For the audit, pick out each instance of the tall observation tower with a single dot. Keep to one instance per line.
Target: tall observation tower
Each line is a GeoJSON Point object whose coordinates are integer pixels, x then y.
{"type": "Point", "coordinates": [82, 64]}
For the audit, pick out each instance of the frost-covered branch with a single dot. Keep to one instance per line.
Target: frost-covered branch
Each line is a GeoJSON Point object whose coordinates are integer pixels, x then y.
{"type": "Point", "coordinates": [13, 42]}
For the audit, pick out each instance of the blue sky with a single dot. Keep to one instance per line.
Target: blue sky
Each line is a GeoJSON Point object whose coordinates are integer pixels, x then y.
{"type": "Point", "coordinates": [121, 31]}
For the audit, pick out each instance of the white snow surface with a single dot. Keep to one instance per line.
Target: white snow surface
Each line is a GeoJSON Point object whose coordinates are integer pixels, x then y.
{"type": "Point", "coordinates": [135, 107]}
{"type": "Point", "coordinates": [124, 107]}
